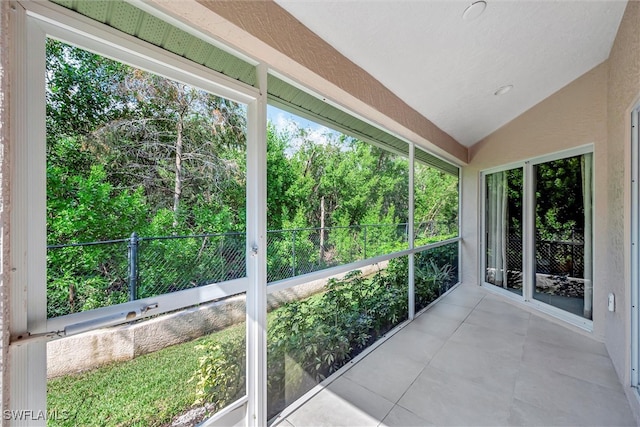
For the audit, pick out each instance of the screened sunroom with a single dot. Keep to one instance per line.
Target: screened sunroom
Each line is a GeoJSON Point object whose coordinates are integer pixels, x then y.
{"type": "Point", "coordinates": [320, 213]}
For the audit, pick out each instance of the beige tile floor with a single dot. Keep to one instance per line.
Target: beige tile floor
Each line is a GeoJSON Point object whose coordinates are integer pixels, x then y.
{"type": "Point", "coordinates": [474, 359]}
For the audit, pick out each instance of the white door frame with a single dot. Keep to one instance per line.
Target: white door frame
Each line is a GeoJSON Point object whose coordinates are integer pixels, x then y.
{"type": "Point", "coordinates": [528, 231]}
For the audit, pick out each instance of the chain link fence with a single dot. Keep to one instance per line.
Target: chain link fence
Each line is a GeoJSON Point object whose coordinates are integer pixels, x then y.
{"type": "Point", "coordinates": [86, 276]}
{"type": "Point", "coordinates": [554, 257]}
{"type": "Point", "coordinates": [170, 264]}
{"type": "Point", "coordinates": [299, 251]}
{"type": "Point", "coordinates": [431, 231]}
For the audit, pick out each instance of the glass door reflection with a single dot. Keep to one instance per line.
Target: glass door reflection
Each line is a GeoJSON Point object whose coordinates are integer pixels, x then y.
{"type": "Point", "coordinates": [563, 224]}
{"type": "Point", "coordinates": [503, 228]}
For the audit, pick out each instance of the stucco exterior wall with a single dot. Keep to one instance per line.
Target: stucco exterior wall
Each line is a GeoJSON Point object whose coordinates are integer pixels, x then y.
{"type": "Point", "coordinates": [572, 117]}
{"type": "Point", "coordinates": [595, 108]}
{"type": "Point", "coordinates": [623, 95]}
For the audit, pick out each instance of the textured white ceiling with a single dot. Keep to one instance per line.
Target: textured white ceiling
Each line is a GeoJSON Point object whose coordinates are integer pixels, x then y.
{"type": "Point", "coordinates": [448, 69]}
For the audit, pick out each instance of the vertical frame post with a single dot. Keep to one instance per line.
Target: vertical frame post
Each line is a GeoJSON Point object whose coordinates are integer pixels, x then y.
{"type": "Point", "coordinates": [257, 254]}
{"type": "Point", "coordinates": [364, 250]}
{"type": "Point", "coordinates": [412, 288]}
{"type": "Point", "coordinates": [529, 232]}
{"type": "Point", "coordinates": [28, 363]}
{"type": "Point", "coordinates": [482, 229]}
{"type": "Point", "coordinates": [133, 267]}
{"type": "Point", "coordinates": [459, 224]}
{"type": "Point", "coordinates": [293, 251]}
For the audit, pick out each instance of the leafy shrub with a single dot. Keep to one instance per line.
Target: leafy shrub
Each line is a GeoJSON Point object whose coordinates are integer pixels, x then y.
{"type": "Point", "coordinates": [220, 378]}
{"type": "Point", "coordinates": [432, 279]}
{"type": "Point", "coordinates": [86, 277]}
{"type": "Point", "coordinates": [312, 338]}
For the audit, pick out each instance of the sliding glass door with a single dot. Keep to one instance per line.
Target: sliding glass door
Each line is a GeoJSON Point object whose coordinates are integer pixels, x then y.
{"type": "Point", "coordinates": [563, 206]}
{"type": "Point", "coordinates": [503, 227]}
{"type": "Point", "coordinates": [538, 231]}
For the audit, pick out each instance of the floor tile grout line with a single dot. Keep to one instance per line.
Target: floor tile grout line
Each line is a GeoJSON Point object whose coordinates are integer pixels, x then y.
{"type": "Point", "coordinates": [513, 412]}
{"type": "Point", "coordinates": [519, 374]}
{"type": "Point", "coordinates": [554, 370]}
{"type": "Point", "coordinates": [387, 414]}
{"type": "Point", "coordinates": [437, 351]}
{"type": "Point", "coordinates": [422, 370]}
{"type": "Point", "coordinates": [406, 409]}
{"type": "Point", "coordinates": [368, 389]}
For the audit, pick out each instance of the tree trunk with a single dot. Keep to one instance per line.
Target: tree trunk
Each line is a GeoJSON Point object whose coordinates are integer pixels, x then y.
{"type": "Point", "coordinates": [178, 182]}
{"type": "Point", "coordinates": [322, 228]}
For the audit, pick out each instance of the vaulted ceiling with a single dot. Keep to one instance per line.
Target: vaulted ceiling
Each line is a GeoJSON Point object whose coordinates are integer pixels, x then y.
{"type": "Point", "coordinates": [448, 68]}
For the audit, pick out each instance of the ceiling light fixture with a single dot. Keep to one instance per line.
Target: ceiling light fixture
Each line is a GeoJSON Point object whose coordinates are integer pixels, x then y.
{"type": "Point", "coordinates": [503, 90]}
{"type": "Point", "coordinates": [475, 10]}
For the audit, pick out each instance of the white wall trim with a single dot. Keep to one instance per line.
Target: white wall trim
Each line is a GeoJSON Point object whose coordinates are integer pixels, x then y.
{"type": "Point", "coordinates": [528, 232]}
{"type": "Point", "coordinates": [563, 154]}
{"type": "Point", "coordinates": [106, 41]}
{"type": "Point", "coordinates": [556, 155]}
{"type": "Point", "coordinates": [165, 303]}
{"type": "Point", "coordinates": [34, 21]}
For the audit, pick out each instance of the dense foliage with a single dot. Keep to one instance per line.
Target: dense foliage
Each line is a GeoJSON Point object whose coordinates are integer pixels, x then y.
{"type": "Point", "coordinates": [307, 340]}
{"type": "Point", "coordinates": [559, 206]}
{"type": "Point", "coordinates": [310, 339]}
{"type": "Point", "coordinates": [559, 199]}
{"type": "Point", "coordinates": [129, 151]}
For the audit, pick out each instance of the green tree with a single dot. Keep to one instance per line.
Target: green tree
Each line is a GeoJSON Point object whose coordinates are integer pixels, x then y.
{"type": "Point", "coordinates": [84, 90]}
{"type": "Point", "coordinates": [82, 206]}
{"type": "Point", "coordinates": [436, 201]}
{"type": "Point", "coordinates": [182, 144]}
{"type": "Point", "coordinates": [559, 202]}
{"type": "Point", "coordinates": [280, 178]}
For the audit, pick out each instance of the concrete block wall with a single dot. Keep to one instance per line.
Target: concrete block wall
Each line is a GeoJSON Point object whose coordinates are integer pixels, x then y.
{"type": "Point", "coordinates": [93, 349]}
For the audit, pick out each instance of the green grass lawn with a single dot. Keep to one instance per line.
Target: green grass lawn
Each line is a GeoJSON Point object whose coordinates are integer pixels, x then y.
{"type": "Point", "coordinates": [153, 389]}
{"type": "Point", "coordinates": [147, 391]}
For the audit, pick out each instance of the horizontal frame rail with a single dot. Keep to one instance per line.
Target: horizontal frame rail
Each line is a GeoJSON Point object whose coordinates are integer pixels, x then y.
{"type": "Point", "coordinates": [165, 303]}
